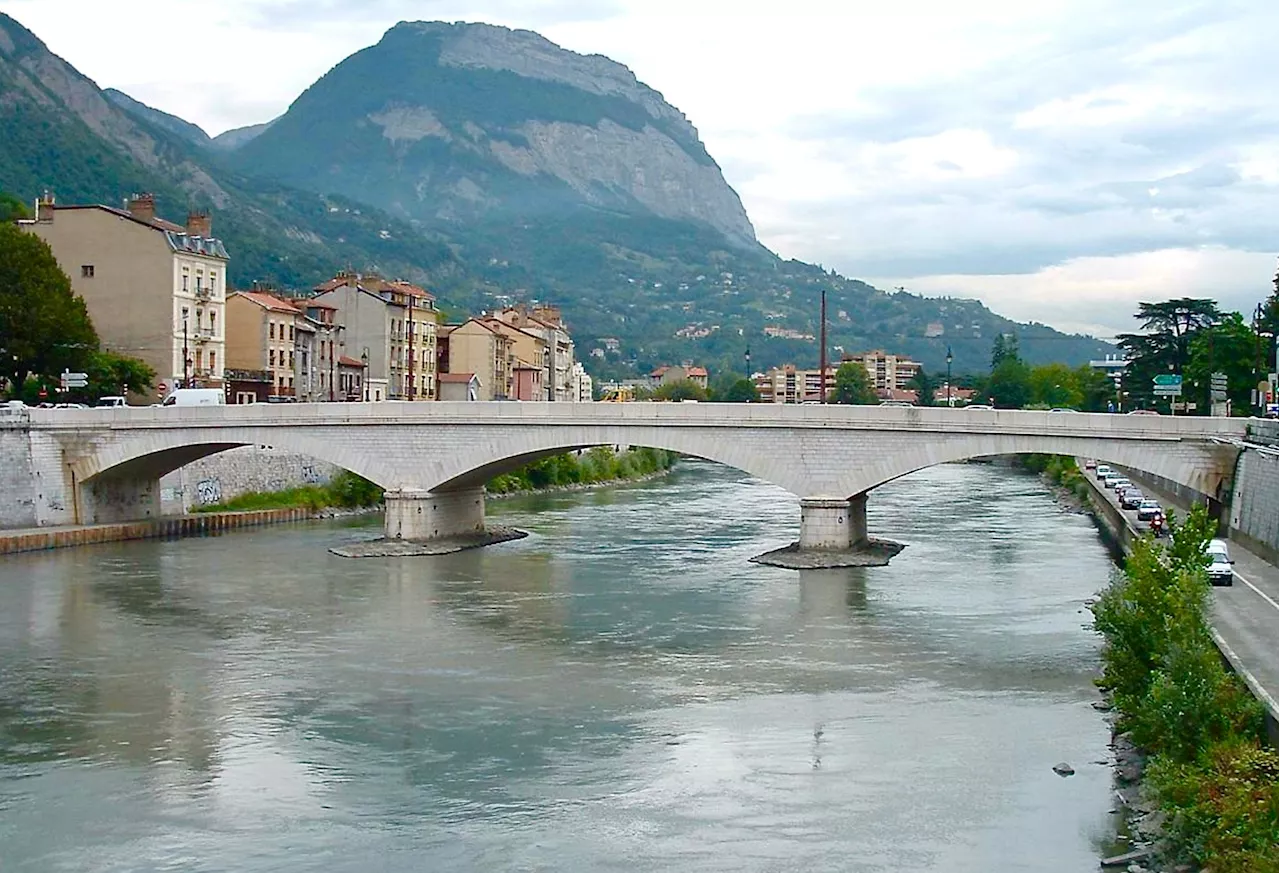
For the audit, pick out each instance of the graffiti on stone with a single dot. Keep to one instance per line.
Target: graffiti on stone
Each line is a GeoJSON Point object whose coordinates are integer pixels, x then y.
{"type": "Point", "coordinates": [310, 474]}
{"type": "Point", "coordinates": [208, 491]}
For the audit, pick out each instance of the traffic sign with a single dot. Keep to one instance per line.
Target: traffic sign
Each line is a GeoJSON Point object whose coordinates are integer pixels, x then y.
{"type": "Point", "coordinates": [1218, 381]}
{"type": "Point", "coordinates": [163, 386]}
{"type": "Point", "coordinates": [74, 380]}
{"type": "Point", "coordinates": [1167, 379]}
{"type": "Point", "coordinates": [1168, 390]}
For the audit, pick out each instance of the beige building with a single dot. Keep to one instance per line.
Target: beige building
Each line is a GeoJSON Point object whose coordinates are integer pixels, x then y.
{"type": "Point", "coordinates": [481, 349]}
{"type": "Point", "coordinates": [791, 384]}
{"type": "Point", "coordinates": [666, 375]}
{"type": "Point", "coordinates": [886, 372]}
{"type": "Point", "coordinates": [546, 322]}
{"type": "Point", "coordinates": [390, 324]}
{"type": "Point", "coordinates": [266, 332]}
{"type": "Point", "coordinates": [154, 289]}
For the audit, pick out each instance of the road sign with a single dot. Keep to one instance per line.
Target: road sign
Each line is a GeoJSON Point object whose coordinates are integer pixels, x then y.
{"type": "Point", "coordinates": [74, 380]}
{"type": "Point", "coordinates": [1168, 390]}
{"type": "Point", "coordinates": [1167, 380]}
{"type": "Point", "coordinates": [163, 386]}
{"type": "Point", "coordinates": [1217, 395]}
{"type": "Point", "coordinates": [1218, 381]}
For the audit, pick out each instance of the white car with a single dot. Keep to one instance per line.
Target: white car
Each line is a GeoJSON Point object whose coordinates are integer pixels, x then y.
{"type": "Point", "coordinates": [1111, 480]}
{"type": "Point", "coordinates": [1102, 471]}
{"type": "Point", "coordinates": [1148, 509]}
{"type": "Point", "coordinates": [1220, 572]}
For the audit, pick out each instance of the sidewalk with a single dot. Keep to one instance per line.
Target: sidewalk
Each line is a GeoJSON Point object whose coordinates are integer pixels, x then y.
{"type": "Point", "coordinates": [1245, 616]}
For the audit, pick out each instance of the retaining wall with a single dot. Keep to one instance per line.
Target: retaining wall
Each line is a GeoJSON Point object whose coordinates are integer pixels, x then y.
{"type": "Point", "coordinates": [238, 471]}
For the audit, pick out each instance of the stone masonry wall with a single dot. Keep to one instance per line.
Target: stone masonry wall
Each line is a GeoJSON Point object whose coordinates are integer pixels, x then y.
{"type": "Point", "coordinates": [1255, 503]}
{"type": "Point", "coordinates": [17, 492]}
{"type": "Point", "coordinates": [237, 471]}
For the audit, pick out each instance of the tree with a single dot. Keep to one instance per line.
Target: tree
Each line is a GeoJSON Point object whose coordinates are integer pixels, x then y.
{"type": "Point", "coordinates": [1054, 385]}
{"type": "Point", "coordinates": [1004, 348]}
{"type": "Point", "coordinates": [741, 391]}
{"type": "Point", "coordinates": [681, 389]}
{"type": "Point", "coordinates": [1010, 384]}
{"type": "Point", "coordinates": [11, 208]}
{"type": "Point", "coordinates": [924, 386]}
{"type": "Point", "coordinates": [112, 374]}
{"type": "Point", "coordinates": [853, 386]}
{"type": "Point", "coordinates": [44, 327]}
{"type": "Point", "coordinates": [1228, 347]}
{"type": "Point", "coordinates": [1165, 347]}
{"type": "Point", "coordinates": [1096, 388]}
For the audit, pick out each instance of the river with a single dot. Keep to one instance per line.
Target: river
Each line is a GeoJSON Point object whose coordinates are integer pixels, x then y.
{"type": "Point", "coordinates": [621, 690]}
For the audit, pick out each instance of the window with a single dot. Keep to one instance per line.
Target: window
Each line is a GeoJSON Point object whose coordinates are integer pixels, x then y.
{"type": "Point", "coordinates": [186, 277]}
{"type": "Point", "coordinates": [213, 360]}
{"type": "Point", "coordinates": [291, 333]}
{"type": "Point", "coordinates": [199, 359]}
{"type": "Point", "coordinates": [271, 328]}
{"type": "Point", "coordinates": [290, 361]}
{"type": "Point", "coordinates": [213, 281]}
{"type": "Point", "coordinates": [213, 323]}
{"type": "Point", "coordinates": [271, 358]}
{"type": "Point", "coordinates": [86, 271]}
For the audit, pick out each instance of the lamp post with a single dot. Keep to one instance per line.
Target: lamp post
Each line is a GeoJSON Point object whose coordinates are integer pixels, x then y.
{"type": "Point", "coordinates": [949, 377]}
{"type": "Point", "coordinates": [746, 357]}
{"type": "Point", "coordinates": [364, 379]}
{"type": "Point", "coordinates": [822, 353]}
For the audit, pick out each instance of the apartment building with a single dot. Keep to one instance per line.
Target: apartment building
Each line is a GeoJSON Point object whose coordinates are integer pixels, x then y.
{"type": "Point", "coordinates": [791, 384]}
{"type": "Point", "coordinates": [546, 322]}
{"type": "Point", "coordinates": [390, 324]}
{"type": "Point", "coordinates": [666, 375]}
{"type": "Point", "coordinates": [480, 348]}
{"type": "Point", "coordinates": [154, 289]}
{"type": "Point", "coordinates": [886, 372]}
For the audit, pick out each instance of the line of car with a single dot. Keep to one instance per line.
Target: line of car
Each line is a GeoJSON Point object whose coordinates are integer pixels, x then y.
{"type": "Point", "coordinates": [1131, 498]}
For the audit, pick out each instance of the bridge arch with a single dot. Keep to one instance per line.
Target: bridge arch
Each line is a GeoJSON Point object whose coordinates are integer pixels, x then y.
{"type": "Point", "coordinates": [1203, 468]}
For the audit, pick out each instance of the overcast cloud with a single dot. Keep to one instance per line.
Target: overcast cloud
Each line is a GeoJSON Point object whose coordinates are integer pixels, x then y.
{"type": "Point", "coordinates": [1059, 161]}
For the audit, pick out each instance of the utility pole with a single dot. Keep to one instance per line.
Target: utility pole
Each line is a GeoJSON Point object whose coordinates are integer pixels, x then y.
{"type": "Point", "coordinates": [186, 357]}
{"type": "Point", "coordinates": [948, 376]}
{"type": "Point", "coordinates": [822, 351]}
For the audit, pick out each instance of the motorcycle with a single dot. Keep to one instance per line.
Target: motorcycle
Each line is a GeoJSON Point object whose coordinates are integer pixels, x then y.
{"type": "Point", "coordinates": [1158, 527]}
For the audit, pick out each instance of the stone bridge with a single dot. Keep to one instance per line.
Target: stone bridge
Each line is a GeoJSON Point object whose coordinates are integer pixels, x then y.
{"type": "Point", "coordinates": [432, 458]}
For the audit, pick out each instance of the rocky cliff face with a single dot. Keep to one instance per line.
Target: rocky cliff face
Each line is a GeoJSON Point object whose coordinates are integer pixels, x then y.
{"type": "Point", "coordinates": [449, 122]}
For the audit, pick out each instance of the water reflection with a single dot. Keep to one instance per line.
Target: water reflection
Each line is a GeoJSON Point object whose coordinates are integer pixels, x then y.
{"type": "Point", "coordinates": [623, 684]}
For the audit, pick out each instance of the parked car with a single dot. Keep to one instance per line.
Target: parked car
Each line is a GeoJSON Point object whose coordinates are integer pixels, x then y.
{"type": "Point", "coordinates": [1220, 572]}
{"type": "Point", "coordinates": [1102, 471]}
{"type": "Point", "coordinates": [1131, 498]}
{"type": "Point", "coordinates": [1149, 509]}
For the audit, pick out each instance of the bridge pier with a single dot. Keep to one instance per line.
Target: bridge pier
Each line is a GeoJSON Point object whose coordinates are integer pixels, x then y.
{"type": "Point", "coordinates": [414, 514]}
{"type": "Point", "coordinates": [832, 523]}
{"type": "Point", "coordinates": [111, 499]}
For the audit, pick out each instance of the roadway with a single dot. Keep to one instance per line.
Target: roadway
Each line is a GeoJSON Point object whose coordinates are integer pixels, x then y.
{"type": "Point", "coordinates": [1245, 616]}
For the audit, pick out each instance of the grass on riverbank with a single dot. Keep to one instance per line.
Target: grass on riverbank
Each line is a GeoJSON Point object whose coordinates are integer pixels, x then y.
{"type": "Point", "coordinates": [1061, 470]}
{"type": "Point", "coordinates": [597, 465]}
{"type": "Point", "coordinates": [1210, 770]}
{"type": "Point", "coordinates": [345, 490]}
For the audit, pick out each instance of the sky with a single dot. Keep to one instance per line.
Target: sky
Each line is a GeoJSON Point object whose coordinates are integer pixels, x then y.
{"type": "Point", "coordinates": [1060, 161]}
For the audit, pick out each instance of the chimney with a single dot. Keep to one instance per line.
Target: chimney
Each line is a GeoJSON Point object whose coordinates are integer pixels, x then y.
{"type": "Point", "coordinates": [143, 207]}
{"type": "Point", "coordinates": [44, 207]}
{"type": "Point", "coordinates": [199, 223]}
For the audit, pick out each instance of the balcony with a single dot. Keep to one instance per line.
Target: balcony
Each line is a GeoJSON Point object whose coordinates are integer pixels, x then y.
{"type": "Point", "coordinates": [203, 292]}
{"type": "Point", "coordinates": [203, 334]}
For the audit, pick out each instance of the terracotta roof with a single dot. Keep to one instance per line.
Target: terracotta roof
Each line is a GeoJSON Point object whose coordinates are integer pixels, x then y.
{"type": "Point", "coordinates": [696, 371]}
{"type": "Point", "coordinates": [374, 285]}
{"type": "Point", "coordinates": [312, 303]}
{"type": "Point", "coordinates": [455, 377]}
{"type": "Point", "coordinates": [344, 361]}
{"type": "Point", "coordinates": [268, 301]}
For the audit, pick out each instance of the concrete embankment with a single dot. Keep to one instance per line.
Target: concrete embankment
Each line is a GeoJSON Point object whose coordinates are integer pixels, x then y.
{"type": "Point", "coordinates": [201, 524]}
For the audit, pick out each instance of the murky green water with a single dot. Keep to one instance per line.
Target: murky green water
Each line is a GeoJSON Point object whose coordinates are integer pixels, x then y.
{"type": "Point", "coordinates": [620, 691]}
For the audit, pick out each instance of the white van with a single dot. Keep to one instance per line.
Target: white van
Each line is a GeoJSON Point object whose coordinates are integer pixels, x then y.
{"type": "Point", "coordinates": [195, 397]}
{"type": "Point", "coordinates": [112, 401]}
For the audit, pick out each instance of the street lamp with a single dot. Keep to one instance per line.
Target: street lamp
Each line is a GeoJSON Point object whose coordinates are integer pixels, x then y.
{"type": "Point", "coordinates": [746, 357]}
{"type": "Point", "coordinates": [949, 359]}
{"type": "Point", "coordinates": [364, 379]}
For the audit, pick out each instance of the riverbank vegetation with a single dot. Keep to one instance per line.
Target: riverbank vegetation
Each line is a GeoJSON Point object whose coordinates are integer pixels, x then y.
{"type": "Point", "coordinates": [594, 466]}
{"type": "Point", "coordinates": [1210, 771]}
{"type": "Point", "coordinates": [1061, 470]}
{"type": "Point", "coordinates": [345, 490]}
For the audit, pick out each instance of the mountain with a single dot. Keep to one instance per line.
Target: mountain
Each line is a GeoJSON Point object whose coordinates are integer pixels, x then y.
{"type": "Point", "coordinates": [64, 135]}
{"type": "Point", "coordinates": [493, 166]}
{"type": "Point", "coordinates": [192, 133]}
{"type": "Point", "coordinates": [475, 123]}
{"type": "Point", "coordinates": [236, 137]}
